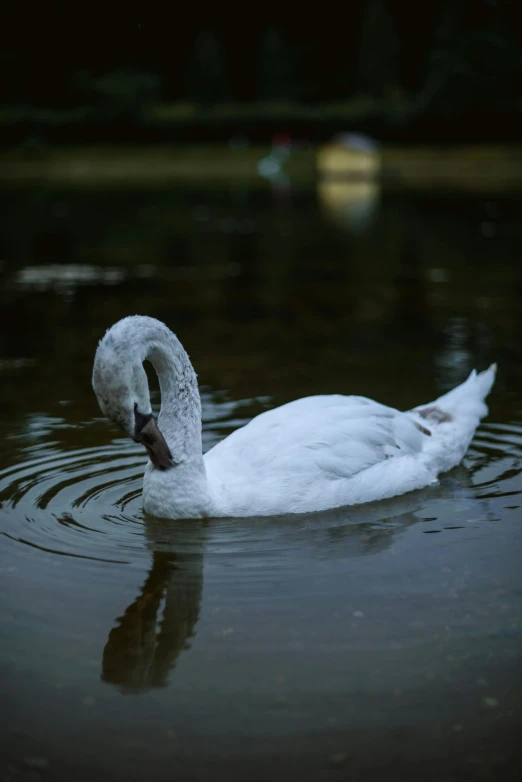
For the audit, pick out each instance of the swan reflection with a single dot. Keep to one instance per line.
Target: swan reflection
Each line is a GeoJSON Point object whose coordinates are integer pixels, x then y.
{"type": "Point", "coordinates": [158, 625]}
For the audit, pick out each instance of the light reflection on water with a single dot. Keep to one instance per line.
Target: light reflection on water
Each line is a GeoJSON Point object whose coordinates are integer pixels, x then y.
{"type": "Point", "coordinates": [302, 642]}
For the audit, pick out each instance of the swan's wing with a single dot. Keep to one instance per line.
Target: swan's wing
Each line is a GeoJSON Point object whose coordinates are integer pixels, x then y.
{"type": "Point", "coordinates": [334, 437]}
{"type": "Point", "coordinates": [349, 445]}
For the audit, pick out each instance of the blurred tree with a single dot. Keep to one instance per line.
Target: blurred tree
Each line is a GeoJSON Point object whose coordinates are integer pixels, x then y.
{"type": "Point", "coordinates": [469, 66]}
{"type": "Point", "coordinates": [449, 56]}
{"type": "Point", "coordinates": [276, 68]}
{"type": "Point", "coordinates": [120, 94]}
{"type": "Point", "coordinates": [208, 81]}
{"type": "Point", "coordinates": [378, 56]}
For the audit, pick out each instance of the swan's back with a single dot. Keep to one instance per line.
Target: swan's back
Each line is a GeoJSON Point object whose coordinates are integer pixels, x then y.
{"type": "Point", "coordinates": [327, 451]}
{"type": "Point", "coordinates": [303, 455]}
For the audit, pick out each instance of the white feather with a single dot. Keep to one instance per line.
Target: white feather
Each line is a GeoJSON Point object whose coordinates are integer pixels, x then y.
{"type": "Point", "coordinates": [315, 453]}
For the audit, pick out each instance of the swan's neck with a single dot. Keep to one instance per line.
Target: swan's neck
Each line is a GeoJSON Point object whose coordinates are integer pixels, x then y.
{"type": "Point", "coordinates": [121, 386]}
{"type": "Point", "coordinates": [183, 491]}
{"type": "Point", "coordinates": [180, 414]}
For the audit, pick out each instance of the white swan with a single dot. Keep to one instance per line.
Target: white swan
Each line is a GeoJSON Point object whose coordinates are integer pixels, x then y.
{"type": "Point", "coordinates": [315, 453]}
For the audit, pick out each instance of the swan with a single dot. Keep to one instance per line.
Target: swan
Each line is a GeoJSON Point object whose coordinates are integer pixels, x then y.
{"type": "Point", "coordinates": [316, 453]}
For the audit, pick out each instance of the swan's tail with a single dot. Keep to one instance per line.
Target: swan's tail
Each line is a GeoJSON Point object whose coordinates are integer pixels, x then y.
{"type": "Point", "coordinates": [466, 400]}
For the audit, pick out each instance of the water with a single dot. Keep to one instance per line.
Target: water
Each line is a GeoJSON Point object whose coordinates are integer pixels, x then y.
{"type": "Point", "coordinates": [384, 639]}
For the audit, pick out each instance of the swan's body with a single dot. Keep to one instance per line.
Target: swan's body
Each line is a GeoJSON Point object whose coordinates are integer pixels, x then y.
{"type": "Point", "coordinates": [315, 453]}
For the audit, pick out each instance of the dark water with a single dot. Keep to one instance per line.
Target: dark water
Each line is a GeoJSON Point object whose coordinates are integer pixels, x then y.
{"type": "Point", "coordinates": [383, 640]}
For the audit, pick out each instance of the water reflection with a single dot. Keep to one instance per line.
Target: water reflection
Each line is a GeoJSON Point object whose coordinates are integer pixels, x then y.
{"type": "Point", "coordinates": [359, 623]}
{"type": "Point", "coordinates": [65, 278]}
{"type": "Point", "coordinates": [351, 205]}
{"type": "Point", "coordinates": [313, 288]}
{"type": "Point", "coordinates": [411, 290]}
{"type": "Point", "coordinates": [159, 624]}
{"type": "Point", "coordinates": [156, 627]}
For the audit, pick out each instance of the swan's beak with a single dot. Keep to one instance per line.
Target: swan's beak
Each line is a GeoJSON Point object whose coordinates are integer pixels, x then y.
{"type": "Point", "coordinates": [158, 450]}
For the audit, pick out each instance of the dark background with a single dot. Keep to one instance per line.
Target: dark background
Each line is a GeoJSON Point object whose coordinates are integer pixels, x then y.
{"type": "Point", "coordinates": [429, 71]}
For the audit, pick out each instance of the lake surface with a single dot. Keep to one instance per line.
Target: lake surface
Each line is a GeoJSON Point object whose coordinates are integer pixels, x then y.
{"type": "Point", "coordinates": [371, 642]}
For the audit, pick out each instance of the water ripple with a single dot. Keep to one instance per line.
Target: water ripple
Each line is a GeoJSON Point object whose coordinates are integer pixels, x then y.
{"type": "Point", "coordinates": [86, 503]}
{"type": "Point", "coordinates": [64, 502]}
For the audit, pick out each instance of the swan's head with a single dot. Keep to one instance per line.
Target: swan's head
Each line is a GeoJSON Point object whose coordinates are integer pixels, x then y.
{"type": "Point", "coordinates": [122, 390]}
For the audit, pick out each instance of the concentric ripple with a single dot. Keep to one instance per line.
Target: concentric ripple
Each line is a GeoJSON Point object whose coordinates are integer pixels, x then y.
{"type": "Point", "coordinates": [86, 502]}
{"type": "Point", "coordinates": [81, 503]}
{"type": "Point", "coordinates": [145, 584]}
{"type": "Point", "coordinates": [495, 461]}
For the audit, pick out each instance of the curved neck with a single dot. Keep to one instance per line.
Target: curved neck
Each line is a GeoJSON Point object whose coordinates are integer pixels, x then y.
{"type": "Point", "coordinates": [180, 414]}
